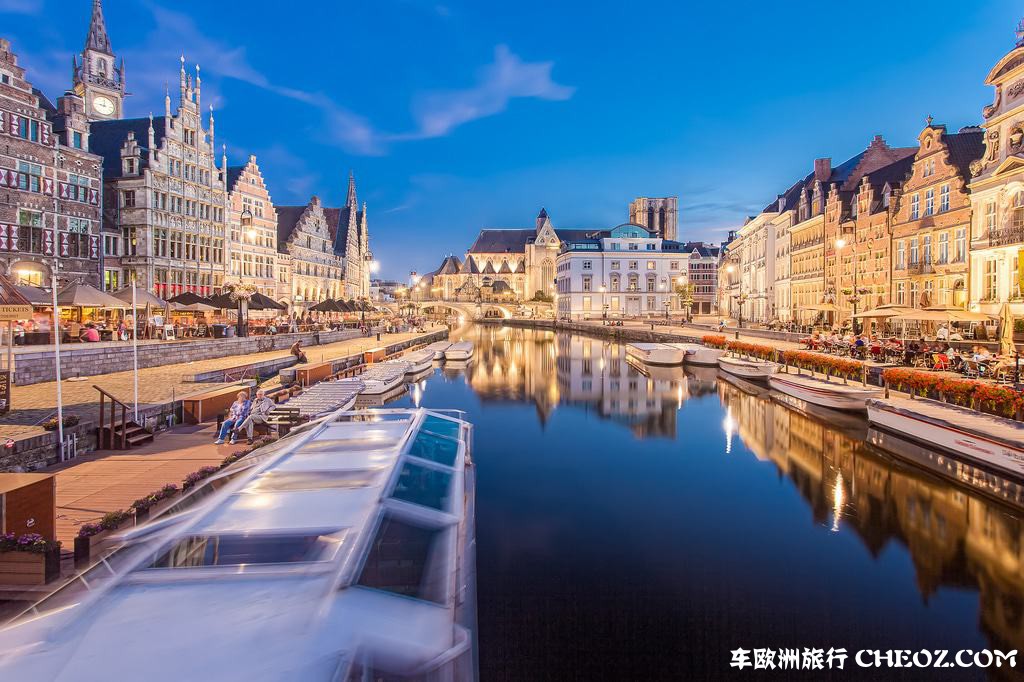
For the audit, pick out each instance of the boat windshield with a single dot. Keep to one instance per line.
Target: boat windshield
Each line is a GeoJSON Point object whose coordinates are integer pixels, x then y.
{"type": "Point", "coordinates": [246, 548]}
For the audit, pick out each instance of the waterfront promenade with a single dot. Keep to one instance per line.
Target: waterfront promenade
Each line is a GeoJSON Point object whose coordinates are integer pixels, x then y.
{"type": "Point", "coordinates": [34, 403]}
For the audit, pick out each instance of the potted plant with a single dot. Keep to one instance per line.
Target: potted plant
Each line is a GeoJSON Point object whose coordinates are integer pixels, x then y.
{"type": "Point", "coordinates": [87, 534]}
{"type": "Point", "coordinates": [28, 559]}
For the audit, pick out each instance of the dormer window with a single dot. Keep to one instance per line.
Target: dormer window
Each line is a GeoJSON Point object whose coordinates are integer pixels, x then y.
{"type": "Point", "coordinates": [129, 166]}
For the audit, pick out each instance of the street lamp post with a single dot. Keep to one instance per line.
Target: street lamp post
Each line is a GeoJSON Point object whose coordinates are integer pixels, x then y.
{"type": "Point", "coordinates": [247, 230]}
{"type": "Point", "coordinates": [854, 297]}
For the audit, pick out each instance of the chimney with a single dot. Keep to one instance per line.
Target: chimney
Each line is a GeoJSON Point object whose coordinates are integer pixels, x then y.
{"type": "Point", "coordinates": [822, 169]}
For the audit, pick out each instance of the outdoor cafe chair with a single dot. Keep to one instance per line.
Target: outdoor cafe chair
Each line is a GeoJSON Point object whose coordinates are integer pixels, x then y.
{"type": "Point", "coordinates": [940, 361]}
{"type": "Point", "coordinates": [971, 369]}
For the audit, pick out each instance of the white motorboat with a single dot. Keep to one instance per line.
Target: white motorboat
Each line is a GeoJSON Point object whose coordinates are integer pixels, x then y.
{"type": "Point", "coordinates": [419, 360]}
{"type": "Point", "coordinates": [699, 354]}
{"type": "Point", "coordinates": [438, 348]}
{"type": "Point", "coordinates": [383, 377]}
{"type": "Point", "coordinates": [344, 551]}
{"type": "Point", "coordinates": [655, 353]}
{"type": "Point", "coordinates": [982, 438]}
{"type": "Point", "coordinates": [832, 394]}
{"type": "Point", "coordinates": [752, 370]}
{"type": "Point", "coordinates": [463, 350]}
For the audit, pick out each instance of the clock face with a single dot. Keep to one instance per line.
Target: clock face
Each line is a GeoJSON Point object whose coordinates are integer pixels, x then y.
{"type": "Point", "coordinates": [102, 105]}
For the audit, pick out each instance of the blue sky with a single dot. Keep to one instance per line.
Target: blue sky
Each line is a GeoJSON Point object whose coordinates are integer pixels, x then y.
{"type": "Point", "coordinates": [461, 115]}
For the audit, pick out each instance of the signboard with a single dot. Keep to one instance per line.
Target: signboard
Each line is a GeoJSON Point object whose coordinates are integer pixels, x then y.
{"type": "Point", "coordinates": [9, 313]}
{"type": "Point", "coordinates": [5, 392]}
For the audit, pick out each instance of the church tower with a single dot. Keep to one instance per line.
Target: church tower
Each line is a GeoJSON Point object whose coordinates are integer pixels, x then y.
{"type": "Point", "coordinates": [95, 77]}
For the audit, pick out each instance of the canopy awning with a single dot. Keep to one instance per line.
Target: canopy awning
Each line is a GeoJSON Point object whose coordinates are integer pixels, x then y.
{"type": "Point", "coordinates": [34, 295]}
{"type": "Point", "coordinates": [883, 311]}
{"type": "Point", "coordinates": [143, 297]}
{"type": "Point", "coordinates": [191, 307]}
{"type": "Point", "coordinates": [943, 314]}
{"type": "Point", "coordinates": [822, 307]}
{"type": "Point", "coordinates": [328, 306]}
{"type": "Point", "coordinates": [80, 295]}
{"type": "Point", "coordinates": [257, 301]}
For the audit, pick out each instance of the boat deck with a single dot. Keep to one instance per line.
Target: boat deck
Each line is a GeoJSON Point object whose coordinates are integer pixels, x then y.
{"type": "Point", "coordinates": [992, 427]}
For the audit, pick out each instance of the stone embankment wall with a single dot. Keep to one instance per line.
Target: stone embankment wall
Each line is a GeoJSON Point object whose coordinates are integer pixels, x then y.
{"type": "Point", "coordinates": [626, 334]}
{"type": "Point", "coordinates": [80, 360]}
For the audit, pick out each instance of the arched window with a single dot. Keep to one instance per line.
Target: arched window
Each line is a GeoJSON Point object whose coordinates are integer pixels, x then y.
{"type": "Point", "coordinates": [634, 283]}
{"type": "Point", "coordinates": [1018, 211]}
{"type": "Point", "coordinates": [547, 275]}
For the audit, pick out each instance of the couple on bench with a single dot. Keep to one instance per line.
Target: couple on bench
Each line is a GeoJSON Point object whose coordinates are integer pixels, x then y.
{"type": "Point", "coordinates": [245, 414]}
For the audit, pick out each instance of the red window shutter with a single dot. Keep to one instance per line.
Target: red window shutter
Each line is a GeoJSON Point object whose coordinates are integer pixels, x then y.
{"type": "Point", "coordinates": [3, 237]}
{"type": "Point", "coordinates": [94, 247]}
{"type": "Point", "coordinates": [65, 250]}
{"type": "Point", "coordinates": [48, 186]}
{"type": "Point", "coordinates": [47, 242]}
{"type": "Point", "coordinates": [12, 238]}
{"type": "Point", "coordinates": [13, 128]}
{"type": "Point", "coordinates": [94, 196]}
{"type": "Point", "coordinates": [44, 133]}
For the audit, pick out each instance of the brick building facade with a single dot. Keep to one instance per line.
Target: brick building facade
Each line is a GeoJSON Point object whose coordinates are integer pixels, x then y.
{"type": "Point", "coordinates": [49, 184]}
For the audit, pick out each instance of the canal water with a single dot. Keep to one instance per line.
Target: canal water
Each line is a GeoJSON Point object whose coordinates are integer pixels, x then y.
{"type": "Point", "coordinates": [635, 527]}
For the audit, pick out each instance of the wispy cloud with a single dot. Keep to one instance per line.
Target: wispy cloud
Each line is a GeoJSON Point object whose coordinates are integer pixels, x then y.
{"type": "Point", "coordinates": [30, 7]}
{"type": "Point", "coordinates": [507, 78]}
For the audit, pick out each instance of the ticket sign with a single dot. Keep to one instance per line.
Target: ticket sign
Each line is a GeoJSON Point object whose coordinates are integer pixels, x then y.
{"type": "Point", "coordinates": [9, 313]}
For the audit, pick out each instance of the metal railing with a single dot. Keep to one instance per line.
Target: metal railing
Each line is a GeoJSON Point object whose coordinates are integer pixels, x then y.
{"type": "Point", "coordinates": [114, 403]}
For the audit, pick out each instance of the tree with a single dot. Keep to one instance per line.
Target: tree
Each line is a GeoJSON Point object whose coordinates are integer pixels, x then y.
{"type": "Point", "coordinates": [685, 293]}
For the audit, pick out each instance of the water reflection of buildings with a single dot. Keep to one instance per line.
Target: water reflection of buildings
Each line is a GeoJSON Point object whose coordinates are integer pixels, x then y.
{"type": "Point", "coordinates": [526, 365]}
{"type": "Point", "coordinates": [956, 537]}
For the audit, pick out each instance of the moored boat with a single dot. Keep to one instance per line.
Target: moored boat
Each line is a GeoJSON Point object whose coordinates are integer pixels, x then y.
{"type": "Point", "coordinates": [383, 377]}
{"type": "Point", "coordinates": [327, 396]}
{"type": "Point", "coordinates": [983, 438]}
{"type": "Point", "coordinates": [463, 350]}
{"type": "Point", "coordinates": [419, 360]}
{"type": "Point", "coordinates": [344, 551]}
{"type": "Point", "coordinates": [438, 348]}
{"type": "Point", "coordinates": [698, 354]}
{"type": "Point", "coordinates": [655, 353]}
{"type": "Point", "coordinates": [832, 394]}
{"type": "Point", "coordinates": [752, 370]}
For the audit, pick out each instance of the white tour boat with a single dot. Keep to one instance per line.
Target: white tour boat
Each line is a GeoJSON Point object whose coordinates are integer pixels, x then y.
{"type": "Point", "coordinates": [699, 354]}
{"type": "Point", "coordinates": [382, 377]}
{"type": "Point", "coordinates": [655, 353]}
{"type": "Point", "coordinates": [750, 369]}
{"type": "Point", "coordinates": [344, 551]}
{"type": "Point", "coordinates": [833, 394]}
{"type": "Point", "coordinates": [438, 348]}
{"type": "Point", "coordinates": [983, 438]}
{"type": "Point", "coordinates": [463, 350]}
{"type": "Point", "coordinates": [419, 360]}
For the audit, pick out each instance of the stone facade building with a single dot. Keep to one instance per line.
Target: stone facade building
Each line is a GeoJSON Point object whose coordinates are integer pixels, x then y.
{"type": "Point", "coordinates": [252, 229]}
{"type": "Point", "coordinates": [627, 270]}
{"type": "Point", "coordinates": [930, 235]}
{"type": "Point", "coordinates": [309, 269]}
{"type": "Point", "coordinates": [49, 184]}
{"type": "Point", "coordinates": [658, 214]}
{"type": "Point", "coordinates": [997, 193]}
{"type": "Point", "coordinates": [165, 197]}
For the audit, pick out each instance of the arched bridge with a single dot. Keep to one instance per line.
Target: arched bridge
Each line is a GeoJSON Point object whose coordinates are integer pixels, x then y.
{"type": "Point", "coordinates": [472, 311]}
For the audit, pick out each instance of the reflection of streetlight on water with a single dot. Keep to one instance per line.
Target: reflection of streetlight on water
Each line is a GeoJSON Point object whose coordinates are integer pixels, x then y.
{"type": "Point", "coordinates": [838, 497]}
{"type": "Point", "coordinates": [729, 425]}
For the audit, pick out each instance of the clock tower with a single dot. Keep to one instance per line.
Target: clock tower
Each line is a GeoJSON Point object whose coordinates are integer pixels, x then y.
{"type": "Point", "coordinates": [96, 78]}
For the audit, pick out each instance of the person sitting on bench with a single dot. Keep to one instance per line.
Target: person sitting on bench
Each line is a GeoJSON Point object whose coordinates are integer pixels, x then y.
{"type": "Point", "coordinates": [236, 414]}
{"type": "Point", "coordinates": [259, 413]}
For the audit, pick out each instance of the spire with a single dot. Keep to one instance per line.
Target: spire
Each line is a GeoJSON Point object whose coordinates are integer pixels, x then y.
{"type": "Point", "coordinates": [184, 83]}
{"type": "Point", "coordinates": [199, 83]}
{"type": "Point", "coordinates": [97, 38]}
{"type": "Point", "coordinates": [167, 100]}
{"type": "Point", "coordinates": [1020, 33]}
{"type": "Point", "coordinates": [351, 200]}
{"type": "Point", "coordinates": [211, 125]}
{"type": "Point", "coordinates": [542, 218]}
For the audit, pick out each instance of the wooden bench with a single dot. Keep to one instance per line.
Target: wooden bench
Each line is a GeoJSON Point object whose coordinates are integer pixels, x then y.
{"type": "Point", "coordinates": [208, 405]}
{"type": "Point", "coordinates": [284, 418]}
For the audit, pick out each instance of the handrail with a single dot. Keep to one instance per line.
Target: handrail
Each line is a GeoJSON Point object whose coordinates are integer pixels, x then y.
{"type": "Point", "coordinates": [124, 420]}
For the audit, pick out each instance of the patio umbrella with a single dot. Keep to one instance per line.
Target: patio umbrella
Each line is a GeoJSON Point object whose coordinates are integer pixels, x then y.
{"type": "Point", "coordinates": [34, 295]}
{"type": "Point", "coordinates": [260, 301]}
{"type": "Point", "coordinates": [883, 311]}
{"type": "Point", "coordinates": [343, 307]}
{"type": "Point", "coordinates": [327, 306]}
{"type": "Point", "coordinates": [188, 298]}
{"type": "Point", "coordinates": [192, 307]}
{"type": "Point", "coordinates": [143, 298]}
{"type": "Point", "coordinates": [80, 295]}
{"type": "Point", "coordinates": [1006, 346]}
